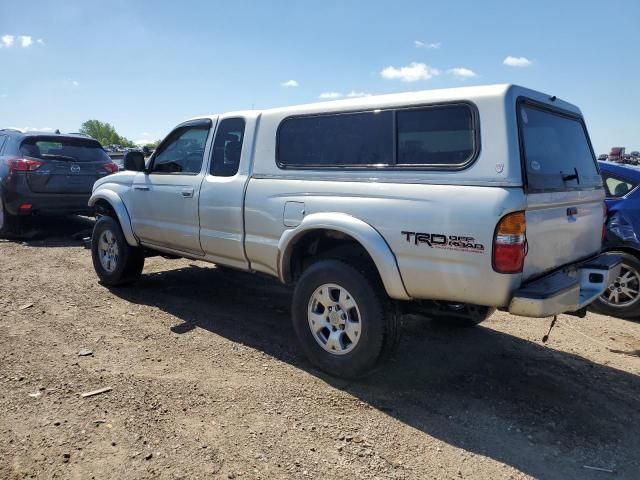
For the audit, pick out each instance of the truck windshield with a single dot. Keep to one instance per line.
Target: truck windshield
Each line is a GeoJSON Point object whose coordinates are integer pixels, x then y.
{"type": "Point", "coordinates": [557, 154]}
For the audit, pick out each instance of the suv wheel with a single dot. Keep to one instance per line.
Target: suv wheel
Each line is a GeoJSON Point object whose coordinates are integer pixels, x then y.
{"type": "Point", "coordinates": [343, 319]}
{"type": "Point", "coordinates": [622, 297]}
{"type": "Point", "coordinates": [7, 221]}
{"type": "Point", "coordinates": [114, 260]}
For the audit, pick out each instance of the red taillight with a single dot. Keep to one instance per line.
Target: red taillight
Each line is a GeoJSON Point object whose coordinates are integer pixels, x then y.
{"type": "Point", "coordinates": [25, 208]}
{"type": "Point", "coordinates": [510, 243]}
{"type": "Point", "coordinates": [22, 164]}
{"type": "Point", "coordinates": [110, 167]}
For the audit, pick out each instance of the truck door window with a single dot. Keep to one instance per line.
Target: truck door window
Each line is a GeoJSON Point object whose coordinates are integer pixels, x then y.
{"type": "Point", "coordinates": [227, 147]}
{"type": "Point", "coordinates": [182, 152]}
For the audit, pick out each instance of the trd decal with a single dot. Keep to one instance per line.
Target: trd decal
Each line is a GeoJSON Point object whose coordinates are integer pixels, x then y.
{"type": "Point", "coordinates": [447, 242]}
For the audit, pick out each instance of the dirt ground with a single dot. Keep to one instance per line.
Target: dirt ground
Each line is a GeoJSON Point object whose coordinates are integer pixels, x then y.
{"type": "Point", "coordinates": [207, 382]}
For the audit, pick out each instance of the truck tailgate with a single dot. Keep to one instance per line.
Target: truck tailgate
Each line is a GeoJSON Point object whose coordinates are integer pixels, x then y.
{"type": "Point", "coordinates": [562, 228]}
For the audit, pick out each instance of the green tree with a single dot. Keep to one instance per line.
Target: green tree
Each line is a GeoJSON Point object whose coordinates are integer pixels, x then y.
{"type": "Point", "coordinates": [104, 133]}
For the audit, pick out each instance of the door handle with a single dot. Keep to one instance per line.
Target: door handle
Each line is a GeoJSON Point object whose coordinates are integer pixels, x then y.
{"type": "Point", "coordinates": [141, 188]}
{"type": "Point", "coordinates": [187, 192]}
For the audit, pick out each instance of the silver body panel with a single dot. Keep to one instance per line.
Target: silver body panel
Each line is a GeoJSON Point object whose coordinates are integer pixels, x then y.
{"type": "Point", "coordinates": [252, 220]}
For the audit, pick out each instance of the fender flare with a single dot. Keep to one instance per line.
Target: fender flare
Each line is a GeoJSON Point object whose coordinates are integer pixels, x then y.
{"type": "Point", "coordinates": [113, 199]}
{"type": "Point", "coordinates": [359, 230]}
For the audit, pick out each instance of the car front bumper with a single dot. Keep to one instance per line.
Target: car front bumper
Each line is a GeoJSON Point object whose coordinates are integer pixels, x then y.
{"type": "Point", "coordinates": [567, 290]}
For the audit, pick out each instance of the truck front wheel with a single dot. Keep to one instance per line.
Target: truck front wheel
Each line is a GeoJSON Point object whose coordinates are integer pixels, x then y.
{"type": "Point", "coordinates": [114, 260]}
{"type": "Point", "coordinates": [343, 318]}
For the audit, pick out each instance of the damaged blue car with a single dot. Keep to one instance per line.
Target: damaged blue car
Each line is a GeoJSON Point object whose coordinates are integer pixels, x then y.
{"type": "Point", "coordinates": [622, 298]}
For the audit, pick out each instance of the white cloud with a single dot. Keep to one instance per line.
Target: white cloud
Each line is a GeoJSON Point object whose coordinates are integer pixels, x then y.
{"type": "Point", "coordinates": [354, 94]}
{"type": "Point", "coordinates": [517, 61]}
{"type": "Point", "coordinates": [7, 40]}
{"type": "Point", "coordinates": [33, 129]}
{"type": "Point", "coordinates": [75, 83]}
{"type": "Point", "coordinates": [462, 72]}
{"type": "Point", "coordinates": [419, 44]}
{"type": "Point", "coordinates": [25, 41]}
{"type": "Point", "coordinates": [290, 83]}
{"type": "Point", "coordinates": [330, 95]}
{"type": "Point", "coordinates": [410, 73]}
{"type": "Point", "coordinates": [3, 95]}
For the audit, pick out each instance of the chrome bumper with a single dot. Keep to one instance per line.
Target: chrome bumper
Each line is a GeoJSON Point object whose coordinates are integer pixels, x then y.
{"type": "Point", "coordinates": [567, 290]}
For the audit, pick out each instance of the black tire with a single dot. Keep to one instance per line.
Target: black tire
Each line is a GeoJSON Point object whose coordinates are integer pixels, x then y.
{"type": "Point", "coordinates": [129, 262]}
{"type": "Point", "coordinates": [378, 317]}
{"type": "Point", "coordinates": [627, 310]}
{"type": "Point", "coordinates": [8, 222]}
{"type": "Point", "coordinates": [464, 315]}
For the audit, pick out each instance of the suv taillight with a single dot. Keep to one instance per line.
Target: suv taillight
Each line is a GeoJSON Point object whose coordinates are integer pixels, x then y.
{"type": "Point", "coordinates": [510, 243]}
{"type": "Point", "coordinates": [22, 164]}
{"type": "Point", "coordinates": [110, 167]}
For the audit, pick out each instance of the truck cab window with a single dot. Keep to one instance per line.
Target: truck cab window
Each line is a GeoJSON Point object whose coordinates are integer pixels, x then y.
{"type": "Point", "coordinates": [183, 151]}
{"type": "Point", "coordinates": [227, 147]}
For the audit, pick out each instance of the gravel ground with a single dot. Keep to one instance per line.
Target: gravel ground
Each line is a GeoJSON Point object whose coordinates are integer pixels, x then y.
{"type": "Point", "coordinates": [206, 382]}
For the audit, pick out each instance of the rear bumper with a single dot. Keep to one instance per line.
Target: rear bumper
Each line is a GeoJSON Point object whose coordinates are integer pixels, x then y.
{"type": "Point", "coordinates": [49, 204]}
{"type": "Point", "coordinates": [566, 290]}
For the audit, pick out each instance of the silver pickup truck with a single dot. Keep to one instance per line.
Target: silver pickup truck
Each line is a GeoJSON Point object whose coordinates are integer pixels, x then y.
{"type": "Point", "coordinates": [450, 203]}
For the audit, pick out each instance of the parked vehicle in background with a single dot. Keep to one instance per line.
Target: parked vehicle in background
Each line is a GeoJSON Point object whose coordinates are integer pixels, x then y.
{"type": "Point", "coordinates": [451, 203]}
{"type": "Point", "coordinates": [603, 157]}
{"type": "Point", "coordinates": [616, 154]}
{"type": "Point", "coordinates": [47, 174]}
{"type": "Point", "coordinates": [635, 154]}
{"type": "Point", "coordinates": [622, 298]}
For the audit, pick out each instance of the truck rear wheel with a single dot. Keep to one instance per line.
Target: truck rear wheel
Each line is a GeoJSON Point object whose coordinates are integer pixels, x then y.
{"type": "Point", "coordinates": [114, 260]}
{"type": "Point", "coordinates": [343, 318]}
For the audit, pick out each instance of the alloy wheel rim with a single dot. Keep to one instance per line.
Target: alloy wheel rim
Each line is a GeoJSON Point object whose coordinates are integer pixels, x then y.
{"type": "Point", "coordinates": [624, 291]}
{"type": "Point", "coordinates": [108, 251]}
{"type": "Point", "coordinates": [334, 319]}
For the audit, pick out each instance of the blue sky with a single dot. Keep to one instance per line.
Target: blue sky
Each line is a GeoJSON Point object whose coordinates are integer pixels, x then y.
{"type": "Point", "coordinates": [145, 66]}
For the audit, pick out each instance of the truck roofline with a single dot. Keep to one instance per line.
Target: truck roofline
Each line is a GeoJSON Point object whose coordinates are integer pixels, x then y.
{"type": "Point", "coordinates": [470, 93]}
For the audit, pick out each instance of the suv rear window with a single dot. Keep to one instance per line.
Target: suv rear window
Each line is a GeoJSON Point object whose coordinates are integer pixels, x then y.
{"type": "Point", "coordinates": [556, 150]}
{"type": "Point", "coordinates": [71, 149]}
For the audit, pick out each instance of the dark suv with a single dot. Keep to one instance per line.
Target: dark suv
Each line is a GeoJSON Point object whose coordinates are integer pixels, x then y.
{"type": "Point", "coordinates": [47, 174]}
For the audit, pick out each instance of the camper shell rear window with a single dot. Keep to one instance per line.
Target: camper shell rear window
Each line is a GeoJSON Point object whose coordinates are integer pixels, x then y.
{"type": "Point", "coordinates": [555, 149]}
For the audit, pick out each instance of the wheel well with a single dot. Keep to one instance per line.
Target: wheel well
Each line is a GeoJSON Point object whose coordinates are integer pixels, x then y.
{"type": "Point", "coordinates": [317, 244]}
{"type": "Point", "coordinates": [629, 250]}
{"type": "Point", "coordinates": [102, 207]}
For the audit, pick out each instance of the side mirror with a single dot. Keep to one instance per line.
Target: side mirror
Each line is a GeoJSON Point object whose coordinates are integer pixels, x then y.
{"type": "Point", "coordinates": [134, 161]}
